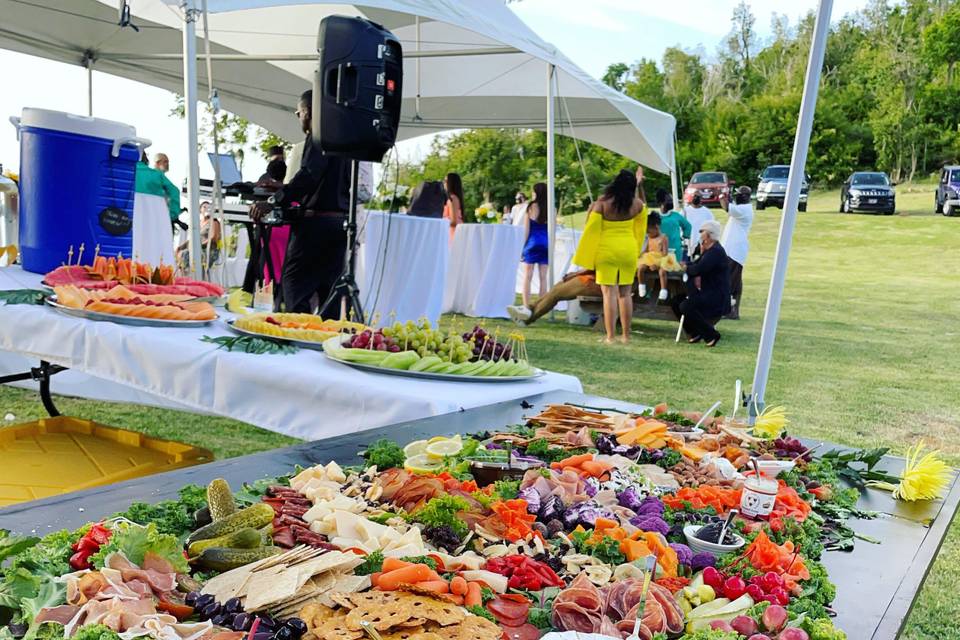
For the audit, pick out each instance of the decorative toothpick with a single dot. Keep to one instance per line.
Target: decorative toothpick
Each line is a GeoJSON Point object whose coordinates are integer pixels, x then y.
{"type": "Point", "coordinates": [80, 255]}
{"type": "Point", "coordinates": [96, 252]}
{"type": "Point", "coordinates": [70, 256]}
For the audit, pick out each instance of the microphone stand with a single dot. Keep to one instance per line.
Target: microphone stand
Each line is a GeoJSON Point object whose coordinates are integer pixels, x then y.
{"type": "Point", "coordinates": [346, 289]}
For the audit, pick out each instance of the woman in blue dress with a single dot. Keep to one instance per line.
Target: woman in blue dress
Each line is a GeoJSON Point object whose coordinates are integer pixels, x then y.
{"type": "Point", "coordinates": [535, 252]}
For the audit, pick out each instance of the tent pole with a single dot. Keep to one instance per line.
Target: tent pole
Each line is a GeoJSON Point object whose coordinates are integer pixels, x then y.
{"type": "Point", "coordinates": [797, 164]}
{"type": "Point", "coordinates": [551, 182]}
{"type": "Point", "coordinates": [214, 100]}
{"type": "Point", "coordinates": [90, 88]}
{"type": "Point", "coordinates": [190, 107]}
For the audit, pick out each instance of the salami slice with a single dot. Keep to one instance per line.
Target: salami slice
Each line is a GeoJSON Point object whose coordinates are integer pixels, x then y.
{"type": "Point", "coordinates": [522, 632]}
{"type": "Point", "coordinates": [509, 611]}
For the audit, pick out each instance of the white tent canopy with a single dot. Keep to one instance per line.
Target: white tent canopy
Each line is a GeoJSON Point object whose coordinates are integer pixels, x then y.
{"type": "Point", "coordinates": [456, 91]}
{"type": "Point", "coordinates": [467, 65]}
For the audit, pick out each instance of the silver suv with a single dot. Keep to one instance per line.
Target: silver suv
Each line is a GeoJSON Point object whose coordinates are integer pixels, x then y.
{"type": "Point", "coordinates": [772, 189]}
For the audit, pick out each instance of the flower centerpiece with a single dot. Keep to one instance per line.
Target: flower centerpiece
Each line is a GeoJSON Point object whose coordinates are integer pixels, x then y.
{"type": "Point", "coordinates": [486, 214]}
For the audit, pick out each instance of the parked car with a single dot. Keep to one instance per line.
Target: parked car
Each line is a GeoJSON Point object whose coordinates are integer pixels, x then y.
{"type": "Point", "coordinates": [868, 191]}
{"type": "Point", "coordinates": [772, 188]}
{"type": "Point", "coordinates": [947, 199]}
{"type": "Point", "coordinates": [709, 184]}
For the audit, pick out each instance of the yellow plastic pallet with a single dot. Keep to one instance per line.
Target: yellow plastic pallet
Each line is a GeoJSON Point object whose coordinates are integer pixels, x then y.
{"type": "Point", "coordinates": [59, 455]}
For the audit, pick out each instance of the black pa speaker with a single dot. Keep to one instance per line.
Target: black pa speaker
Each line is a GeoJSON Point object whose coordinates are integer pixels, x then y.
{"type": "Point", "coordinates": [357, 88]}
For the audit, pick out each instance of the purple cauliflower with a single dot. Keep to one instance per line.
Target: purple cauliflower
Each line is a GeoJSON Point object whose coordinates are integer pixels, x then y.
{"type": "Point", "coordinates": [630, 499]}
{"type": "Point", "coordinates": [684, 553]}
{"type": "Point", "coordinates": [702, 561]}
{"type": "Point", "coordinates": [551, 509]}
{"type": "Point", "coordinates": [651, 523]}
{"type": "Point", "coordinates": [650, 506]}
{"type": "Point", "coordinates": [585, 513]}
{"type": "Point", "coordinates": [591, 486]}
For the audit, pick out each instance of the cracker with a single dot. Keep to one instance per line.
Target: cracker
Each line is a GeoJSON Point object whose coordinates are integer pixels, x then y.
{"type": "Point", "coordinates": [442, 612]}
{"type": "Point", "coordinates": [382, 617]}
{"type": "Point", "coordinates": [336, 628]}
{"type": "Point", "coordinates": [342, 599]}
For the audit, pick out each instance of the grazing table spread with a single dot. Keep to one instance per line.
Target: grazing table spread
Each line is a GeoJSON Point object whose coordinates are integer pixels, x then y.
{"type": "Point", "coordinates": [443, 538]}
{"type": "Point", "coordinates": [304, 394]}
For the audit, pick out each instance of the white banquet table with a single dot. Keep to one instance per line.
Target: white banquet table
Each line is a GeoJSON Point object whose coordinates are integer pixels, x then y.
{"type": "Point", "coordinates": [483, 268]}
{"type": "Point", "coordinates": [303, 395]}
{"type": "Point", "coordinates": [402, 266]}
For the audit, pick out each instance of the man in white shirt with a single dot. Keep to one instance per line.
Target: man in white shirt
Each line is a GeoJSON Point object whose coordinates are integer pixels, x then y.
{"type": "Point", "coordinates": [696, 215]}
{"type": "Point", "coordinates": [735, 243]}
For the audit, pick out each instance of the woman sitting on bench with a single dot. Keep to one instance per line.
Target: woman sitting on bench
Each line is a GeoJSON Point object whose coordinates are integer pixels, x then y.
{"type": "Point", "coordinates": [703, 306]}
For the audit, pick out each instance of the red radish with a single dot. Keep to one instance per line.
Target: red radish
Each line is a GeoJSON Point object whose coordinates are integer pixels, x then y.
{"type": "Point", "coordinates": [734, 587]}
{"type": "Point", "coordinates": [756, 592]}
{"type": "Point", "coordinates": [713, 577]}
{"type": "Point", "coordinates": [783, 598]}
{"type": "Point", "coordinates": [759, 636]}
{"type": "Point", "coordinates": [774, 618]}
{"type": "Point", "coordinates": [745, 625]}
{"type": "Point", "coordinates": [792, 633]}
{"type": "Point", "coordinates": [722, 625]}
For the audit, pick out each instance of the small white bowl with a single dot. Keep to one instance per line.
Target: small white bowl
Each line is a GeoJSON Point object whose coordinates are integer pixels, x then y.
{"type": "Point", "coordinates": [701, 546]}
{"type": "Point", "coordinates": [773, 468]}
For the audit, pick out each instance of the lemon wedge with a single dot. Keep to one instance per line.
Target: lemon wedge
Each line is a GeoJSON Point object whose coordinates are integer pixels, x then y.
{"type": "Point", "coordinates": [422, 464]}
{"type": "Point", "coordinates": [444, 448]}
{"type": "Point", "coordinates": [415, 448]}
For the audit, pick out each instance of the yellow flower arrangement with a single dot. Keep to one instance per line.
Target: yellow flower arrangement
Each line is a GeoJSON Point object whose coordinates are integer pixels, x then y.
{"type": "Point", "coordinates": [924, 477]}
{"type": "Point", "coordinates": [771, 423]}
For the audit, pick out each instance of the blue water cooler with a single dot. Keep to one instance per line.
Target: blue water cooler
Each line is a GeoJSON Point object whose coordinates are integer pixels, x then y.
{"type": "Point", "coordinates": [77, 177]}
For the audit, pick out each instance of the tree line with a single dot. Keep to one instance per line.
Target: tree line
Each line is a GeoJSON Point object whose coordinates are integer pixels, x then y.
{"type": "Point", "coordinates": [889, 100]}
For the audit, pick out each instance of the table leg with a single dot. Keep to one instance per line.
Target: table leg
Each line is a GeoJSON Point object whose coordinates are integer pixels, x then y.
{"type": "Point", "coordinates": [42, 375]}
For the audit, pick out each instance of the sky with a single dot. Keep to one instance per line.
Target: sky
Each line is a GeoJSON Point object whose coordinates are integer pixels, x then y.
{"type": "Point", "coordinates": [592, 33]}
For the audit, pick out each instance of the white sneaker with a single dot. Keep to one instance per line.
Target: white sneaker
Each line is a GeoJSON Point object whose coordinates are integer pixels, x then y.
{"type": "Point", "coordinates": [519, 314]}
{"type": "Point", "coordinates": [663, 295]}
{"type": "Point", "coordinates": [642, 290]}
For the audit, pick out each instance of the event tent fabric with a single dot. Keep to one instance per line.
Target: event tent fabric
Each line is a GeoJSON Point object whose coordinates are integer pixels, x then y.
{"type": "Point", "coordinates": [504, 87]}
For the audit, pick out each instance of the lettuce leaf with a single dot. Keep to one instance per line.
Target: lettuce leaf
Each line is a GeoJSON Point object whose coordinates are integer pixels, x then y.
{"type": "Point", "coordinates": [135, 541]}
{"type": "Point", "coordinates": [50, 594]}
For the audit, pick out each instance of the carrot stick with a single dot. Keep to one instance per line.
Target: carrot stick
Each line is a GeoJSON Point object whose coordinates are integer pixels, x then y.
{"type": "Point", "coordinates": [375, 577]}
{"type": "Point", "coordinates": [575, 461]}
{"type": "Point", "coordinates": [458, 586]}
{"type": "Point", "coordinates": [391, 564]}
{"type": "Point", "coordinates": [458, 600]}
{"type": "Point", "coordinates": [390, 580]}
{"type": "Point", "coordinates": [473, 598]}
{"type": "Point", "coordinates": [434, 586]}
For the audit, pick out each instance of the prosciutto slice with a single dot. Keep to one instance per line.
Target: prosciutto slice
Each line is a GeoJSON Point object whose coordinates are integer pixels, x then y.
{"type": "Point", "coordinates": [614, 609]}
{"type": "Point", "coordinates": [159, 582]}
{"type": "Point", "coordinates": [61, 615]}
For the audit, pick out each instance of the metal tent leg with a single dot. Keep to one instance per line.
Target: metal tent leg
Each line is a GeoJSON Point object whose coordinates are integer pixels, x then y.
{"type": "Point", "coordinates": [42, 375]}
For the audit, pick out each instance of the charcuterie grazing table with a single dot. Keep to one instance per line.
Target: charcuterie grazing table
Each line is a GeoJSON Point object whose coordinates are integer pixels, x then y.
{"type": "Point", "coordinates": [876, 583]}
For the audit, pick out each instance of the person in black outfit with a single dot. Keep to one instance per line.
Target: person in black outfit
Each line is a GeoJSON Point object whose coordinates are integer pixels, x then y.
{"type": "Point", "coordinates": [708, 288]}
{"type": "Point", "coordinates": [318, 240]}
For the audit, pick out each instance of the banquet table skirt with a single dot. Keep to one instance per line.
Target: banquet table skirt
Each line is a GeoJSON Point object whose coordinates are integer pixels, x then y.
{"type": "Point", "coordinates": [483, 267]}
{"type": "Point", "coordinates": [152, 233]}
{"type": "Point", "coordinates": [402, 266]}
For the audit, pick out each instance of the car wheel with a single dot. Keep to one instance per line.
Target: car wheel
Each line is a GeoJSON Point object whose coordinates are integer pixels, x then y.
{"type": "Point", "coordinates": [937, 207]}
{"type": "Point", "coordinates": [890, 211]}
{"type": "Point", "coordinates": [948, 210]}
{"type": "Point", "coordinates": [761, 205]}
{"type": "Point", "coordinates": [845, 205]}
{"type": "Point", "coordinates": [802, 206]}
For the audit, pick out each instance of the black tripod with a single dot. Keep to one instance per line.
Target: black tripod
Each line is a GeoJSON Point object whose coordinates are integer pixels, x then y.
{"type": "Point", "coordinates": [346, 289]}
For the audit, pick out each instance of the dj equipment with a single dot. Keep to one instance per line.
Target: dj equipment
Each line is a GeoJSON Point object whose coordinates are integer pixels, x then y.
{"type": "Point", "coordinates": [357, 88]}
{"type": "Point", "coordinates": [357, 93]}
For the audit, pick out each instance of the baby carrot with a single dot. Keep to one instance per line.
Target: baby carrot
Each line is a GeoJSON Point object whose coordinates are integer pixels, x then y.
{"type": "Point", "coordinates": [473, 598]}
{"type": "Point", "coordinates": [390, 580]}
{"type": "Point", "coordinates": [390, 564]}
{"type": "Point", "coordinates": [434, 586]}
{"type": "Point", "coordinates": [458, 586]}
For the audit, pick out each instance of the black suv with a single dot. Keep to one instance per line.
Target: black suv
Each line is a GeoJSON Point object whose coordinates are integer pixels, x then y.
{"type": "Point", "coordinates": [868, 191]}
{"type": "Point", "coordinates": [947, 199]}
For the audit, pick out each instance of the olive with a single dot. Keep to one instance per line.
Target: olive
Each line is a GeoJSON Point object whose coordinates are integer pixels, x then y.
{"type": "Point", "coordinates": [232, 605]}
{"type": "Point", "coordinates": [219, 620]}
{"type": "Point", "coordinates": [210, 610]}
{"type": "Point", "coordinates": [285, 633]}
{"type": "Point", "coordinates": [191, 598]}
{"type": "Point", "coordinates": [242, 622]}
{"type": "Point", "coordinates": [204, 600]}
{"type": "Point", "coordinates": [298, 626]}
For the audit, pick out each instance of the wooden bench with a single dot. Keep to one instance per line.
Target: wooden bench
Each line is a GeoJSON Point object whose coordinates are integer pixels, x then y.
{"type": "Point", "coordinates": [650, 307]}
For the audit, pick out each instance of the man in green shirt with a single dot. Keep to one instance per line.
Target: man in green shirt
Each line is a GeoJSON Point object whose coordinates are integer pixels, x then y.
{"type": "Point", "coordinates": [675, 226]}
{"type": "Point", "coordinates": [153, 182]}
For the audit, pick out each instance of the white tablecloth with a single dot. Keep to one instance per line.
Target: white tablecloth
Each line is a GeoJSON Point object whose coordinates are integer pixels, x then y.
{"type": "Point", "coordinates": [402, 266]}
{"type": "Point", "coordinates": [483, 269]}
{"type": "Point", "coordinates": [303, 395]}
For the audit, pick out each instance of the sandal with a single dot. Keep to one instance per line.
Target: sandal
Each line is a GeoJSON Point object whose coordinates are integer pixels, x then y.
{"type": "Point", "coordinates": [695, 340]}
{"type": "Point", "coordinates": [713, 342]}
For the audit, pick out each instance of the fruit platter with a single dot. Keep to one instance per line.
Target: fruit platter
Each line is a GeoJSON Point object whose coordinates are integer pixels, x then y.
{"type": "Point", "coordinates": [301, 329]}
{"type": "Point", "coordinates": [577, 520]}
{"type": "Point", "coordinates": [128, 292]}
{"type": "Point", "coordinates": [421, 351]}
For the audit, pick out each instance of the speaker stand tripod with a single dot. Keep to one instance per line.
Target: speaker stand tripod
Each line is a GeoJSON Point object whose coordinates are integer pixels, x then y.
{"type": "Point", "coordinates": [346, 289]}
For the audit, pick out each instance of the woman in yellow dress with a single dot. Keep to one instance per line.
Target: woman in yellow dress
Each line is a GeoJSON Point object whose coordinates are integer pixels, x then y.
{"type": "Point", "coordinates": [610, 245]}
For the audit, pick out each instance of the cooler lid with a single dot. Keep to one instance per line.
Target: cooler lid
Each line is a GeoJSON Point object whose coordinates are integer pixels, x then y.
{"type": "Point", "coordinates": [81, 125]}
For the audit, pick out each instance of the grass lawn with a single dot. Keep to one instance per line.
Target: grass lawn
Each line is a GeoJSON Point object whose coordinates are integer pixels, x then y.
{"type": "Point", "coordinates": [866, 354]}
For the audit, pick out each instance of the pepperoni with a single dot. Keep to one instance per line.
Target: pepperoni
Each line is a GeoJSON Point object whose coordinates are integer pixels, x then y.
{"type": "Point", "coordinates": [523, 632]}
{"type": "Point", "coordinates": [510, 611]}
